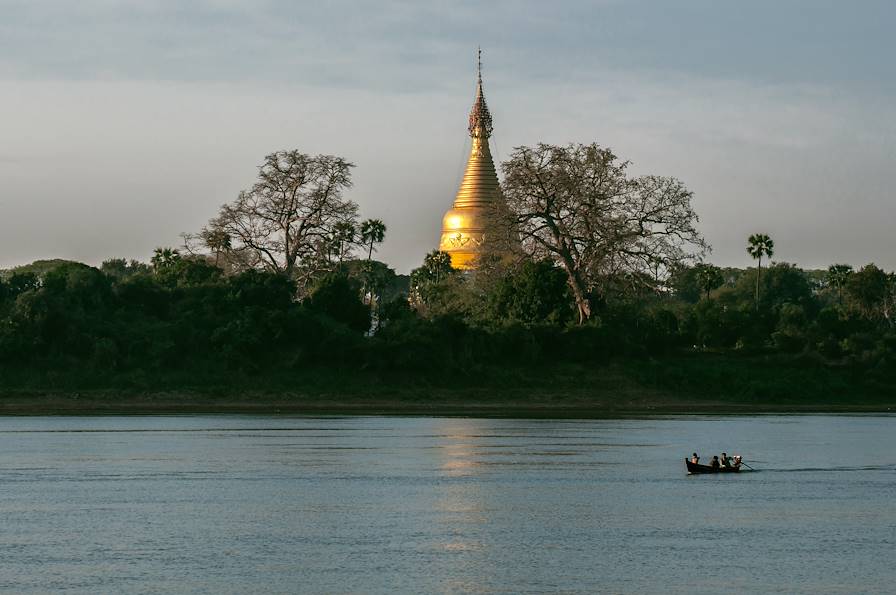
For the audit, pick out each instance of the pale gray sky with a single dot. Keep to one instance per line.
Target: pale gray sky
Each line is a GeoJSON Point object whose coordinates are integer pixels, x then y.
{"type": "Point", "coordinates": [124, 123]}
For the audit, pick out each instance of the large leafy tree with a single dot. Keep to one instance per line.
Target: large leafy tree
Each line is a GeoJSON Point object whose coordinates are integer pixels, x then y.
{"type": "Point", "coordinates": [577, 206]}
{"type": "Point", "coordinates": [759, 245]}
{"type": "Point", "coordinates": [287, 220]}
{"type": "Point", "coordinates": [872, 292]}
{"type": "Point", "coordinates": [338, 297]}
{"type": "Point", "coordinates": [784, 282]}
{"type": "Point", "coordinates": [534, 293]}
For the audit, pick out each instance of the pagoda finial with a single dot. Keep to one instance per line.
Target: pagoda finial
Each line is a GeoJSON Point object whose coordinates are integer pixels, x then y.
{"type": "Point", "coordinates": [480, 118]}
{"type": "Point", "coordinates": [479, 65]}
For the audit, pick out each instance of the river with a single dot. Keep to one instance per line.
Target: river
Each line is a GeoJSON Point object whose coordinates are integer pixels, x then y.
{"type": "Point", "coordinates": [255, 504]}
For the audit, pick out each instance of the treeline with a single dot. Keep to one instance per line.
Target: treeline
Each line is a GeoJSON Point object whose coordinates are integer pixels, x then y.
{"type": "Point", "coordinates": [839, 316]}
{"type": "Point", "coordinates": [184, 323]}
{"type": "Point", "coordinates": [584, 267]}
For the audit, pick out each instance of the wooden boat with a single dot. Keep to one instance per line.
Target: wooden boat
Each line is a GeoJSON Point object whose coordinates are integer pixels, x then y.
{"type": "Point", "coordinates": [696, 468]}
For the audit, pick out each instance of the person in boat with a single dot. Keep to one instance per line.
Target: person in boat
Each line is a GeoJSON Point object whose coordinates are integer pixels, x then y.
{"type": "Point", "coordinates": [695, 459]}
{"type": "Point", "coordinates": [724, 461]}
{"type": "Point", "coordinates": [737, 459]}
{"type": "Point", "coordinates": [715, 462]}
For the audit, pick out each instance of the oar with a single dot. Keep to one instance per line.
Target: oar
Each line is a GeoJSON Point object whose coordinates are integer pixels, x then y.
{"type": "Point", "coordinates": [747, 466]}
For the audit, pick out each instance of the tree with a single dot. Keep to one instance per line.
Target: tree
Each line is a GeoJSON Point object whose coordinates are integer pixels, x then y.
{"type": "Point", "coordinates": [119, 268]}
{"type": "Point", "coordinates": [760, 245]}
{"type": "Point", "coordinates": [838, 275]}
{"type": "Point", "coordinates": [18, 283]}
{"type": "Point", "coordinates": [577, 206]}
{"type": "Point", "coordinates": [164, 258]}
{"type": "Point", "coordinates": [344, 234]}
{"type": "Point", "coordinates": [786, 283]}
{"type": "Point", "coordinates": [217, 240]}
{"type": "Point", "coordinates": [435, 270]}
{"type": "Point", "coordinates": [437, 266]}
{"type": "Point", "coordinates": [373, 231]}
{"type": "Point", "coordinates": [872, 292]}
{"type": "Point", "coordinates": [684, 283]}
{"type": "Point", "coordinates": [535, 293]}
{"type": "Point", "coordinates": [337, 297]}
{"type": "Point", "coordinates": [375, 277]}
{"type": "Point", "coordinates": [709, 277]}
{"type": "Point", "coordinates": [191, 271]}
{"type": "Point", "coordinates": [285, 221]}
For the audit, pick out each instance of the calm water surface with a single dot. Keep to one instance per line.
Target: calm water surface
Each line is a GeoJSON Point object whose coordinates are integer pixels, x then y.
{"type": "Point", "coordinates": [380, 505]}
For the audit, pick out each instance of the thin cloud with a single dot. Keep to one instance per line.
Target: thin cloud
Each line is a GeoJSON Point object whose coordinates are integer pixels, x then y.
{"type": "Point", "coordinates": [146, 116]}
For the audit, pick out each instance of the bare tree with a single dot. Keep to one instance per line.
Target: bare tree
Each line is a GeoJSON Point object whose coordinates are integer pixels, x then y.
{"type": "Point", "coordinates": [286, 222]}
{"type": "Point", "coordinates": [577, 205]}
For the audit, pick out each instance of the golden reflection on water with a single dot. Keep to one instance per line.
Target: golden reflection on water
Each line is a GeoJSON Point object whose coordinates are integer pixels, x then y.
{"type": "Point", "coordinates": [458, 451]}
{"type": "Point", "coordinates": [460, 506]}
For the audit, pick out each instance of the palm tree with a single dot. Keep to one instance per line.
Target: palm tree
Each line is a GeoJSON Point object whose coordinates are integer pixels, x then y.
{"type": "Point", "coordinates": [760, 245]}
{"type": "Point", "coordinates": [162, 258]}
{"type": "Point", "coordinates": [838, 275]}
{"type": "Point", "coordinates": [373, 231]}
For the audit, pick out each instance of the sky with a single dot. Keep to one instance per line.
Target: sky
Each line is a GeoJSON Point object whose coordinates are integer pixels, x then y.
{"type": "Point", "coordinates": [126, 123]}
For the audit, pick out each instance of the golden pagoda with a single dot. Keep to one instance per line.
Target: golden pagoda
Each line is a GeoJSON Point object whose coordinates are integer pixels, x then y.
{"type": "Point", "coordinates": [464, 227]}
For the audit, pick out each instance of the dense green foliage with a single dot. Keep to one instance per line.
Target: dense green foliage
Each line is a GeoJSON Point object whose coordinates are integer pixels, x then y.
{"type": "Point", "coordinates": [184, 323]}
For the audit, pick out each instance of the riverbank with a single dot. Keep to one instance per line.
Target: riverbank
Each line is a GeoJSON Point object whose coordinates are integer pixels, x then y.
{"type": "Point", "coordinates": [554, 406]}
{"type": "Point", "coordinates": [692, 384]}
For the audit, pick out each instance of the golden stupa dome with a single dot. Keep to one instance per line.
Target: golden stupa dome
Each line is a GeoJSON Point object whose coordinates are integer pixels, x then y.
{"type": "Point", "coordinates": [465, 227]}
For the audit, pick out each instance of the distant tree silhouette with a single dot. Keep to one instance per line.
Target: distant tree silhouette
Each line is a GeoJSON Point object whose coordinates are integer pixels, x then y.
{"type": "Point", "coordinates": [426, 279]}
{"type": "Point", "coordinates": [163, 258]}
{"type": "Point", "coordinates": [373, 231]}
{"type": "Point", "coordinates": [344, 234]}
{"type": "Point", "coordinates": [217, 240]}
{"type": "Point", "coordinates": [872, 292]}
{"type": "Point", "coordinates": [709, 277]}
{"type": "Point", "coordinates": [838, 275]}
{"type": "Point", "coordinates": [759, 245]}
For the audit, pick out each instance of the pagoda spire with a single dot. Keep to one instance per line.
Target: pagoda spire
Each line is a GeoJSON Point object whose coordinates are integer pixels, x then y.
{"type": "Point", "coordinates": [465, 226]}
{"type": "Point", "coordinates": [480, 118]}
